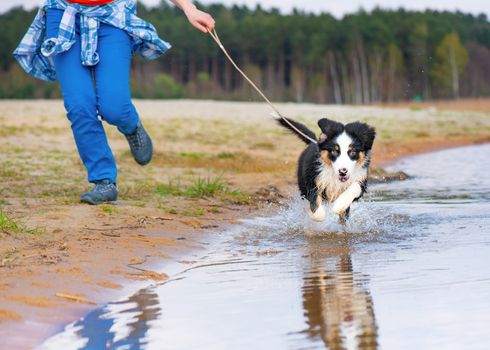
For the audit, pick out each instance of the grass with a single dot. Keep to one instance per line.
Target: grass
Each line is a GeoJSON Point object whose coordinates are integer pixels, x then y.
{"type": "Point", "coordinates": [37, 130]}
{"type": "Point", "coordinates": [206, 187]}
{"type": "Point", "coordinates": [137, 189]}
{"type": "Point", "coordinates": [227, 155]}
{"type": "Point", "coordinates": [171, 188]}
{"type": "Point", "coordinates": [109, 209]}
{"type": "Point", "coordinates": [201, 187]}
{"type": "Point", "coordinates": [239, 197]}
{"type": "Point", "coordinates": [193, 212]}
{"type": "Point", "coordinates": [9, 226]}
{"type": "Point", "coordinates": [264, 145]}
{"type": "Point", "coordinates": [172, 211]}
{"type": "Point", "coordinates": [8, 170]}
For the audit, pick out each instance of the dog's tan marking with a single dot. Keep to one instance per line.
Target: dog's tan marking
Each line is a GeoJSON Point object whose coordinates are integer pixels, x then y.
{"type": "Point", "coordinates": [326, 160]}
{"type": "Point", "coordinates": [362, 158]}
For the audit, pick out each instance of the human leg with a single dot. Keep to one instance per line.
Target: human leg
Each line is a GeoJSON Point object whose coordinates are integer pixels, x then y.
{"type": "Point", "coordinates": [112, 81]}
{"type": "Point", "coordinates": [77, 87]}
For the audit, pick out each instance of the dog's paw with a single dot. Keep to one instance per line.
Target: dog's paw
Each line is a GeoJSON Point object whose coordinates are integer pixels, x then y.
{"type": "Point", "coordinates": [341, 205]}
{"type": "Point", "coordinates": [319, 215]}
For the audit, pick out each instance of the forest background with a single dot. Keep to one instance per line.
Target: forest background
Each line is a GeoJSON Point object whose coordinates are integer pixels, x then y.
{"type": "Point", "coordinates": [362, 58]}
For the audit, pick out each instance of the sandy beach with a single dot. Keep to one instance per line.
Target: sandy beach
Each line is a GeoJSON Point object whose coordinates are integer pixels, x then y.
{"type": "Point", "coordinates": [214, 162]}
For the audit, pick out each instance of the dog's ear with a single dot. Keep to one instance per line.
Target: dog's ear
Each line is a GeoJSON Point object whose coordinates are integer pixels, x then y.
{"type": "Point", "coordinates": [329, 129]}
{"type": "Point", "coordinates": [365, 133]}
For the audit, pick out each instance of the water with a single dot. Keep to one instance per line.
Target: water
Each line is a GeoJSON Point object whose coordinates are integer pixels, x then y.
{"type": "Point", "coordinates": [410, 271]}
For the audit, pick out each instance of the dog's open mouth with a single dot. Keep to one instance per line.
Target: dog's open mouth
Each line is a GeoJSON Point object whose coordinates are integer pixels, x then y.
{"type": "Point", "coordinates": [343, 178]}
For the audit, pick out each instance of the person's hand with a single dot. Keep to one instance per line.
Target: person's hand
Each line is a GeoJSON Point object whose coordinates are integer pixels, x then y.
{"type": "Point", "coordinates": [199, 19]}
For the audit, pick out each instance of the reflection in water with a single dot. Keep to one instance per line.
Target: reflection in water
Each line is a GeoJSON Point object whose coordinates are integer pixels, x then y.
{"type": "Point", "coordinates": [337, 303]}
{"type": "Point", "coordinates": [119, 325]}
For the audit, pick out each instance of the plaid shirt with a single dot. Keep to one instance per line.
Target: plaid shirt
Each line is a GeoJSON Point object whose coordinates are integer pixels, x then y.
{"type": "Point", "coordinates": [35, 52]}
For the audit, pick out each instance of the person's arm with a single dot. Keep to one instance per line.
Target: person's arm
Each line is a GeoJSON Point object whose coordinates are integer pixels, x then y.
{"type": "Point", "coordinates": [199, 19]}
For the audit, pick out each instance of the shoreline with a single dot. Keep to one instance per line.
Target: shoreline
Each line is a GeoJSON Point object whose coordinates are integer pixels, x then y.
{"type": "Point", "coordinates": [98, 254]}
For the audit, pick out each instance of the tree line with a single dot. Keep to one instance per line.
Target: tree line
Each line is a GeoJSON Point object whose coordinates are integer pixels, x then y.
{"type": "Point", "coordinates": [362, 58]}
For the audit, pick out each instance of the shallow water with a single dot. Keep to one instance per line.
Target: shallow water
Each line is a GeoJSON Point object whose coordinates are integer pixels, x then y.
{"type": "Point", "coordinates": [409, 271]}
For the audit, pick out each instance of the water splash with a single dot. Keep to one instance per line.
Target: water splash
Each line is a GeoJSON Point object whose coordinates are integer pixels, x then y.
{"type": "Point", "coordinates": [367, 218]}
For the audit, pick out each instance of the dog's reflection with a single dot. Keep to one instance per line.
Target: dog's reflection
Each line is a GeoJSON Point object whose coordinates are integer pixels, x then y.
{"type": "Point", "coordinates": [337, 304]}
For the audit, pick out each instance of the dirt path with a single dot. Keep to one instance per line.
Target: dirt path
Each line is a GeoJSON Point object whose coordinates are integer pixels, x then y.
{"type": "Point", "coordinates": [214, 162]}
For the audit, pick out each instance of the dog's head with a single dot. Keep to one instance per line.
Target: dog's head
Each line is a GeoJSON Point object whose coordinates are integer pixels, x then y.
{"type": "Point", "coordinates": [345, 147]}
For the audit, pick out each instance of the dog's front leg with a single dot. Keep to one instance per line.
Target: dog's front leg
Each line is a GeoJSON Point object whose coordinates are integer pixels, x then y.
{"type": "Point", "coordinates": [344, 201]}
{"type": "Point", "coordinates": [317, 211]}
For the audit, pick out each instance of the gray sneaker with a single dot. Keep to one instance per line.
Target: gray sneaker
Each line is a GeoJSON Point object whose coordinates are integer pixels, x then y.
{"type": "Point", "coordinates": [103, 191]}
{"type": "Point", "coordinates": [140, 145]}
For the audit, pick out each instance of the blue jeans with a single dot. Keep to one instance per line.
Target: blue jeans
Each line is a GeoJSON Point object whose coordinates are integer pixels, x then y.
{"type": "Point", "coordinates": [92, 91]}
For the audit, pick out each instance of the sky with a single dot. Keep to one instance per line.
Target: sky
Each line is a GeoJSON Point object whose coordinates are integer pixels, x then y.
{"type": "Point", "coordinates": [336, 7]}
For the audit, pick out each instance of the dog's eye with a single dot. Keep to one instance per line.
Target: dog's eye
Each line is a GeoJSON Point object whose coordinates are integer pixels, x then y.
{"type": "Point", "coordinates": [352, 153]}
{"type": "Point", "coordinates": [334, 153]}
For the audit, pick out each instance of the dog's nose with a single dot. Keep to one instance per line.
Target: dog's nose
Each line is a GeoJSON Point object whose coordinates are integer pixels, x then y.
{"type": "Point", "coordinates": [343, 171]}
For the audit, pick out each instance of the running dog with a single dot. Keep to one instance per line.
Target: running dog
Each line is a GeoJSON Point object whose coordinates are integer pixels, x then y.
{"type": "Point", "coordinates": [334, 169]}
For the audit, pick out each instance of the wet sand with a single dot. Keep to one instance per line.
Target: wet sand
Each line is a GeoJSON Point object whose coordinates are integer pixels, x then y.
{"type": "Point", "coordinates": [67, 256]}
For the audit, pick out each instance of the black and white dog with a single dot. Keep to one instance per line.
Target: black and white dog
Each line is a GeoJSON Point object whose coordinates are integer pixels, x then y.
{"type": "Point", "coordinates": [336, 169]}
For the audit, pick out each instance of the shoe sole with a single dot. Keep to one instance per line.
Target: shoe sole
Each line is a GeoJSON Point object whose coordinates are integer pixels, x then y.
{"type": "Point", "coordinates": [91, 202]}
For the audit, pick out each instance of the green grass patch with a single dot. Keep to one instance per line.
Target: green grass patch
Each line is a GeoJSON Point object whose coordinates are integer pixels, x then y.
{"type": "Point", "coordinates": [201, 187]}
{"type": "Point", "coordinates": [172, 188]}
{"type": "Point", "coordinates": [227, 155]}
{"type": "Point", "coordinates": [193, 212]}
{"type": "Point", "coordinates": [109, 209]}
{"type": "Point", "coordinates": [239, 197]}
{"type": "Point", "coordinates": [18, 150]}
{"type": "Point", "coordinates": [9, 226]}
{"type": "Point", "coordinates": [8, 170]}
{"type": "Point", "coordinates": [206, 187]}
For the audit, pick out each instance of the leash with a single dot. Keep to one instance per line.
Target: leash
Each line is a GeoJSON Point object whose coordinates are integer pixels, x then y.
{"type": "Point", "coordinates": [275, 112]}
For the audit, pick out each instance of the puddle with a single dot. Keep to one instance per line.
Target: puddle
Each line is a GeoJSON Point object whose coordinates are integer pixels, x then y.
{"type": "Point", "coordinates": [409, 271]}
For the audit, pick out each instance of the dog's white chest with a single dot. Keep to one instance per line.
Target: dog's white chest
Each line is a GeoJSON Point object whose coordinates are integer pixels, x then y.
{"type": "Point", "coordinates": [328, 181]}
